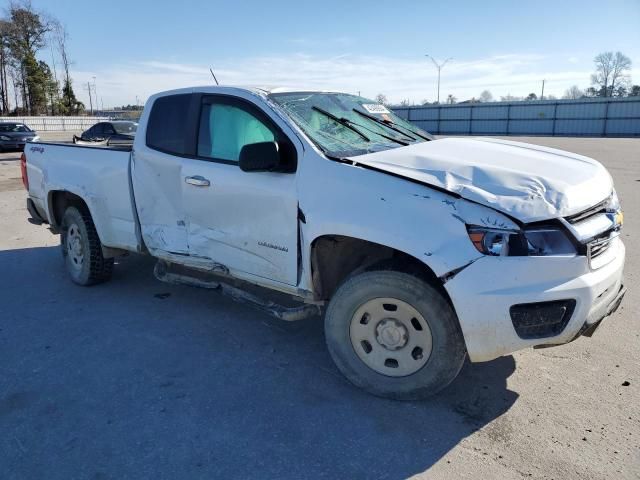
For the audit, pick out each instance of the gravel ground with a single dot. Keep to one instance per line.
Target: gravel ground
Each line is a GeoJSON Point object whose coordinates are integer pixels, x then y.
{"type": "Point", "coordinates": [138, 379]}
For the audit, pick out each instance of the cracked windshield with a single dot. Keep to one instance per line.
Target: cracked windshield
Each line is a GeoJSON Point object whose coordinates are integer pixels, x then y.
{"type": "Point", "coordinates": [343, 125]}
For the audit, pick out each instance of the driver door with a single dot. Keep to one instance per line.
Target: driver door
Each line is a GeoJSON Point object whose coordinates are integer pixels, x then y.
{"type": "Point", "coordinates": [245, 221]}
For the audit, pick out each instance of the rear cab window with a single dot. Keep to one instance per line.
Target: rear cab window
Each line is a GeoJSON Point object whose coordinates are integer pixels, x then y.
{"type": "Point", "coordinates": [167, 128]}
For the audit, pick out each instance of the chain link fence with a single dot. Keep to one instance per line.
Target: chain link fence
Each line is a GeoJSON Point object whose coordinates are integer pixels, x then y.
{"type": "Point", "coordinates": [57, 124]}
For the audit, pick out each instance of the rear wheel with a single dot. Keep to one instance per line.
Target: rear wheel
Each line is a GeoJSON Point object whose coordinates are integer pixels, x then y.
{"type": "Point", "coordinates": [82, 250]}
{"type": "Point", "coordinates": [394, 335]}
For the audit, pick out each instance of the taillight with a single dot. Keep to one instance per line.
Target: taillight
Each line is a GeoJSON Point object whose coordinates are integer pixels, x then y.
{"type": "Point", "coordinates": [23, 170]}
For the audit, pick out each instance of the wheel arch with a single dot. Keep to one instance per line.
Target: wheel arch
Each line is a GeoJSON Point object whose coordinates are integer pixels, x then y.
{"type": "Point", "coordinates": [337, 257]}
{"type": "Point", "coordinates": [58, 201]}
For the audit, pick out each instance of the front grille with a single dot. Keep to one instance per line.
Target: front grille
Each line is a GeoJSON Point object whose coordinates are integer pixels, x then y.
{"type": "Point", "coordinates": [541, 319]}
{"type": "Point", "coordinates": [599, 246]}
{"type": "Point", "coordinates": [589, 212]}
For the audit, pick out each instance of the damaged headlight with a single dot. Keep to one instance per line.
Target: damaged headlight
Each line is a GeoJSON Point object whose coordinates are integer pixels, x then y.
{"type": "Point", "coordinates": [512, 243]}
{"type": "Point", "coordinates": [614, 211]}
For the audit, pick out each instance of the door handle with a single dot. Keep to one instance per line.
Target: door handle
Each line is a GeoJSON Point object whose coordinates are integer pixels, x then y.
{"type": "Point", "coordinates": [198, 181]}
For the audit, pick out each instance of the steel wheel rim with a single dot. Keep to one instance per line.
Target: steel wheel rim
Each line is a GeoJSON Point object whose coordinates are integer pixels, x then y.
{"type": "Point", "coordinates": [75, 252]}
{"type": "Point", "coordinates": [391, 337]}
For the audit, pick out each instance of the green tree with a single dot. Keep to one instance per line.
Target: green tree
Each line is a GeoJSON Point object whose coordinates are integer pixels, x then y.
{"type": "Point", "coordinates": [69, 103]}
{"type": "Point", "coordinates": [35, 80]}
{"type": "Point", "coordinates": [51, 88]}
{"type": "Point", "coordinates": [25, 37]}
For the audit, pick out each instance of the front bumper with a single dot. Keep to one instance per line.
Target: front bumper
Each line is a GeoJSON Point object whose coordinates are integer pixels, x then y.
{"type": "Point", "coordinates": [12, 145]}
{"type": "Point", "coordinates": [15, 144]}
{"type": "Point", "coordinates": [484, 292]}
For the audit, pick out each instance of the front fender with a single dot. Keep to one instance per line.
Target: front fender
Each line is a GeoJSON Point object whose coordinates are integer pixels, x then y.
{"type": "Point", "coordinates": [422, 222]}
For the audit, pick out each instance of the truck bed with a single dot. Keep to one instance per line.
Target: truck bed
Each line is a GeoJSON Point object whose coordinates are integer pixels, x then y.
{"type": "Point", "coordinates": [99, 175]}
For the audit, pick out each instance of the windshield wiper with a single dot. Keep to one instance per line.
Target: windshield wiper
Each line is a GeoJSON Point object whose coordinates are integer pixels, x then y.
{"type": "Point", "coordinates": [391, 125]}
{"type": "Point", "coordinates": [352, 125]}
{"type": "Point", "coordinates": [342, 121]}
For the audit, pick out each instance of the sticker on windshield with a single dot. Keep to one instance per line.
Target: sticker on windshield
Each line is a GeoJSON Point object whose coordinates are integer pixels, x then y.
{"type": "Point", "coordinates": [375, 108]}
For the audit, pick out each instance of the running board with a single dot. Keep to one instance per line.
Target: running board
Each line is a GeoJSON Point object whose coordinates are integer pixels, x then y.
{"type": "Point", "coordinates": [164, 272]}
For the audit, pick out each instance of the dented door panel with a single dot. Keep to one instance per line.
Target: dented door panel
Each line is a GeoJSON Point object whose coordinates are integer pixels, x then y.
{"type": "Point", "coordinates": [245, 221]}
{"type": "Point", "coordinates": [157, 180]}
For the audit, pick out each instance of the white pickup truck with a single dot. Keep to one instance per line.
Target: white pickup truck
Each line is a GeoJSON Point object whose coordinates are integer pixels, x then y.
{"type": "Point", "coordinates": [422, 250]}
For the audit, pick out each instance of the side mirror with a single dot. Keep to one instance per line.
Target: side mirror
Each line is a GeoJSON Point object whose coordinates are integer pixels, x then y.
{"type": "Point", "coordinates": [260, 157]}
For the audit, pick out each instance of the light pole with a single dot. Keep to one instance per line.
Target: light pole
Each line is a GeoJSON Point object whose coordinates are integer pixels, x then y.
{"type": "Point", "coordinates": [439, 67]}
{"type": "Point", "coordinates": [95, 92]}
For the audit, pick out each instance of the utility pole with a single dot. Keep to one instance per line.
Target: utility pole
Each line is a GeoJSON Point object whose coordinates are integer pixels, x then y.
{"type": "Point", "coordinates": [90, 98]}
{"type": "Point", "coordinates": [542, 93]}
{"type": "Point", "coordinates": [95, 92]}
{"type": "Point", "coordinates": [439, 66]}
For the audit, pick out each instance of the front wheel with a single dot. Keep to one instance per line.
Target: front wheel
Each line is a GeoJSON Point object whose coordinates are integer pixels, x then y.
{"type": "Point", "coordinates": [394, 335]}
{"type": "Point", "coordinates": [82, 250]}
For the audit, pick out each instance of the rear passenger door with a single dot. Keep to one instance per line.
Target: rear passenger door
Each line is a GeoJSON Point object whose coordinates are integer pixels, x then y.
{"type": "Point", "coordinates": [246, 221]}
{"type": "Point", "coordinates": [157, 176]}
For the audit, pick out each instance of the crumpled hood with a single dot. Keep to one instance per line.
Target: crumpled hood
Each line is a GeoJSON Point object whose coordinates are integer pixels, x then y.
{"type": "Point", "coordinates": [528, 182]}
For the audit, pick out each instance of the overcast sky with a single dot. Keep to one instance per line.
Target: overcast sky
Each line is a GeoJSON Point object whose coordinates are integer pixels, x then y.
{"type": "Point", "coordinates": [137, 47]}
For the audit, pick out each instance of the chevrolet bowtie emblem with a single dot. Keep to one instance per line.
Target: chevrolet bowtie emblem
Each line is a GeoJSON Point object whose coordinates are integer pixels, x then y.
{"type": "Point", "coordinates": [618, 218]}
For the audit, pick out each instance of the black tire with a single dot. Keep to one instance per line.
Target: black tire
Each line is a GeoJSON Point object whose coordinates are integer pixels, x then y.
{"type": "Point", "coordinates": [93, 267]}
{"type": "Point", "coordinates": [447, 354]}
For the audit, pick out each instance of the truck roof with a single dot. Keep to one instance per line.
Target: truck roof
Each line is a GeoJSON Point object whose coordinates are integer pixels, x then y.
{"type": "Point", "coordinates": [260, 90]}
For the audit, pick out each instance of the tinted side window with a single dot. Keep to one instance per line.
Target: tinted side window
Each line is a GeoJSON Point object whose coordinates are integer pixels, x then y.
{"type": "Point", "coordinates": [225, 129]}
{"type": "Point", "coordinates": [98, 129]}
{"type": "Point", "coordinates": [167, 127]}
{"type": "Point", "coordinates": [108, 129]}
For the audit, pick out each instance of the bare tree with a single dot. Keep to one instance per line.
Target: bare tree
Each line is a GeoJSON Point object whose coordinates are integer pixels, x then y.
{"type": "Point", "coordinates": [611, 73]}
{"type": "Point", "coordinates": [510, 98]}
{"type": "Point", "coordinates": [451, 99]}
{"type": "Point", "coordinates": [14, 75]}
{"type": "Point", "coordinates": [5, 31]}
{"type": "Point", "coordinates": [486, 96]}
{"type": "Point", "coordinates": [382, 99]}
{"type": "Point", "coordinates": [573, 93]}
{"type": "Point", "coordinates": [61, 37]}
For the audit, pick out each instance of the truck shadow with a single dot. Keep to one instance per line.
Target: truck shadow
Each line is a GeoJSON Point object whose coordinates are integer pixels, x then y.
{"type": "Point", "coordinates": [139, 376]}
